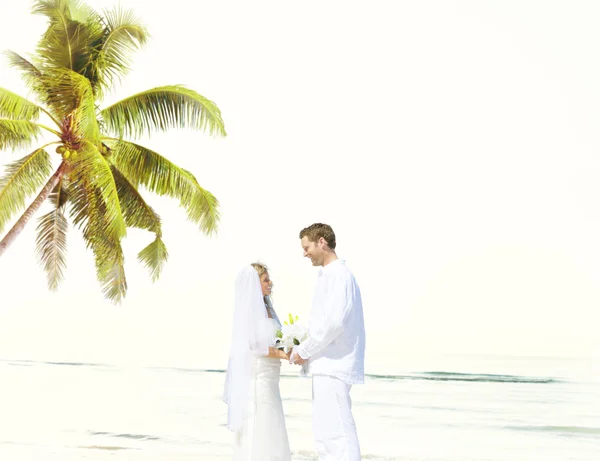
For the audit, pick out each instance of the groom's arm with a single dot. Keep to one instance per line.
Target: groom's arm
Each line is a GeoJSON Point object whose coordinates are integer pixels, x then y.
{"type": "Point", "coordinates": [337, 305]}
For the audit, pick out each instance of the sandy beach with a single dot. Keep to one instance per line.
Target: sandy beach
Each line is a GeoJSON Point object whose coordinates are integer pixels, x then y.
{"type": "Point", "coordinates": [100, 453]}
{"type": "Point", "coordinates": [499, 410]}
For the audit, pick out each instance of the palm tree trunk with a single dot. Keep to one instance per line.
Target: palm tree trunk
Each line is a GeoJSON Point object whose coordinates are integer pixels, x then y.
{"type": "Point", "coordinates": [43, 195]}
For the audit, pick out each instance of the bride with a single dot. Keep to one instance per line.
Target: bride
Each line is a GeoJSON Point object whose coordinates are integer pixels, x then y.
{"type": "Point", "coordinates": [255, 411]}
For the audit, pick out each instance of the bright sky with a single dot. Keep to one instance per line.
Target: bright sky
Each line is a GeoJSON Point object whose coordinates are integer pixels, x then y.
{"type": "Point", "coordinates": [453, 147]}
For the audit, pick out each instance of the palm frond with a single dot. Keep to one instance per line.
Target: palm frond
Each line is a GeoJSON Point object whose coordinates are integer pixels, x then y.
{"type": "Point", "coordinates": [51, 241]}
{"type": "Point", "coordinates": [71, 98]}
{"type": "Point", "coordinates": [80, 11]}
{"type": "Point", "coordinates": [22, 179]}
{"type": "Point", "coordinates": [16, 107]}
{"type": "Point", "coordinates": [29, 71]}
{"type": "Point", "coordinates": [91, 170]}
{"type": "Point", "coordinates": [16, 134]}
{"type": "Point", "coordinates": [124, 34]}
{"type": "Point", "coordinates": [160, 109]}
{"type": "Point", "coordinates": [60, 10]}
{"type": "Point", "coordinates": [30, 74]}
{"type": "Point", "coordinates": [139, 214]}
{"type": "Point", "coordinates": [142, 166]}
{"type": "Point", "coordinates": [54, 10]}
{"type": "Point", "coordinates": [55, 49]}
{"type": "Point", "coordinates": [202, 206]}
{"type": "Point", "coordinates": [89, 212]}
{"type": "Point", "coordinates": [73, 33]}
{"type": "Point", "coordinates": [136, 212]}
{"type": "Point", "coordinates": [112, 275]}
{"type": "Point", "coordinates": [154, 256]}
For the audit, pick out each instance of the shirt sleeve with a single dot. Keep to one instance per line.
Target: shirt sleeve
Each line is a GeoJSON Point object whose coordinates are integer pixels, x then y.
{"type": "Point", "coordinates": [337, 305]}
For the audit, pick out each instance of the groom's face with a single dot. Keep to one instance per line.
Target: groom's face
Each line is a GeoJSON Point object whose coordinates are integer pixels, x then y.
{"type": "Point", "coordinates": [313, 251]}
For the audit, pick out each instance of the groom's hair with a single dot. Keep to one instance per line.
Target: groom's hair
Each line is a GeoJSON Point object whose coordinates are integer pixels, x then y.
{"type": "Point", "coordinates": [315, 231]}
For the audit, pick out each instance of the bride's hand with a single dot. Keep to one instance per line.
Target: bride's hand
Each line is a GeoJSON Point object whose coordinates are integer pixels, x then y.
{"type": "Point", "coordinates": [277, 354]}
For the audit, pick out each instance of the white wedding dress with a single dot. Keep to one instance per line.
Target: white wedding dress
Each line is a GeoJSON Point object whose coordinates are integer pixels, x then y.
{"type": "Point", "coordinates": [264, 435]}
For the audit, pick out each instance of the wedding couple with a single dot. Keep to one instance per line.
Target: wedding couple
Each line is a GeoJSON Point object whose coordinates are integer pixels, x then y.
{"type": "Point", "coordinates": [333, 352]}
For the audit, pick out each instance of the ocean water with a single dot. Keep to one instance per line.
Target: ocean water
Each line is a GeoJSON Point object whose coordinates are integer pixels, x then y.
{"type": "Point", "coordinates": [453, 409]}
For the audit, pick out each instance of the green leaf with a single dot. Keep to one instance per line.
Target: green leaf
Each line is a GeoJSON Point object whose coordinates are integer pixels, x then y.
{"type": "Point", "coordinates": [139, 214]}
{"type": "Point", "coordinates": [51, 241]}
{"type": "Point", "coordinates": [73, 34]}
{"type": "Point", "coordinates": [91, 171]}
{"type": "Point", "coordinates": [16, 134]}
{"type": "Point", "coordinates": [71, 98]}
{"type": "Point", "coordinates": [153, 257]}
{"type": "Point", "coordinates": [22, 179]}
{"type": "Point", "coordinates": [160, 109]}
{"type": "Point", "coordinates": [142, 166]}
{"type": "Point", "coordinates": [29, 72]}
{"type": "Point", "coordinates": [89, 212]}
{"type": "Point", "coordinates": [61, 11]}
{"type": "Point", "coordinates": [136, 212]}
{"type": "Point", "coordinates": [16, 107]}
{"type": "Point", "coordinates": [124, 34]}
{"type": "Point", "coordinates": [111, 273]}
{"type": "Point", "coordinates": [96, 209]}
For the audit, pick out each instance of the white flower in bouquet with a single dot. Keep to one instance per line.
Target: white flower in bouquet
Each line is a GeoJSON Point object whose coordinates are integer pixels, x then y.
{"type": "Point", "coordinates": [291, 334]}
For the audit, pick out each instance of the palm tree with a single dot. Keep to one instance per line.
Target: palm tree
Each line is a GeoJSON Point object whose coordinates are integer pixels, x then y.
{"type": "Point", "coordinates": [81, 56]}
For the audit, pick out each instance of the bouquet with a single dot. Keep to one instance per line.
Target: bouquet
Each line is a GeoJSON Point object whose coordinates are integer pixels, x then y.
{"type": "Point", "coordinates": [291, 334]}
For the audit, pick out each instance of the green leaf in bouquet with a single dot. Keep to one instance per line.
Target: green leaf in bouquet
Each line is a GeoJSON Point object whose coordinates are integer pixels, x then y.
{"type": "Point", "coordinates": [279, 334]}
{"type": "Point", "coordinates": [296, 342]}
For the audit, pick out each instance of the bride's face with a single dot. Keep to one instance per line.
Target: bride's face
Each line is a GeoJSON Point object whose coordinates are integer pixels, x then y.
{"type": "Point", "coordinates": [266, 284]}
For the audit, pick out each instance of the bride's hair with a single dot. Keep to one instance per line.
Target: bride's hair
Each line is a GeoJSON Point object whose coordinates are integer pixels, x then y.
{"type": "Point", "coordinates": [261, 269]}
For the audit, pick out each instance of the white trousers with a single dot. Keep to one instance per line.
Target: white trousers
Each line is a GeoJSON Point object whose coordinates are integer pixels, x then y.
{"type": "Point", "coordinates": [333, 423]}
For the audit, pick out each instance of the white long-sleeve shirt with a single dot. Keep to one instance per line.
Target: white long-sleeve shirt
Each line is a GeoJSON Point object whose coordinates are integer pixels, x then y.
{"type": "Point", "coordinates": [336, 342]}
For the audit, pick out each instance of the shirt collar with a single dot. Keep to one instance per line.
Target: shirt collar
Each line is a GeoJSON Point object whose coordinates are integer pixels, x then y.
{"type": "Point", "coordinates": [331, 266]}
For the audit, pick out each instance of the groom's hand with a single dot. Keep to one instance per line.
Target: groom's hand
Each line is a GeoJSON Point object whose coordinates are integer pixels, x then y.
{"type": "Point", "coordinates": [296, 359]}
{"type": "Point", "coordinates": [299, 360]}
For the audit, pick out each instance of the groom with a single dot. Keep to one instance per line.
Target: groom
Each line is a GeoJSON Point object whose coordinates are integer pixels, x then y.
{"type": "Point", "coordinates": [335, 347]}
